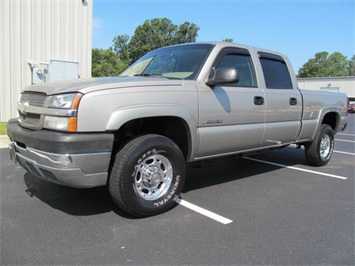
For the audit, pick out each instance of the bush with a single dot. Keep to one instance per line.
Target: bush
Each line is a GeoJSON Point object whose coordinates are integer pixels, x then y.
{"type": "Point", "coordinates": [3, 130]}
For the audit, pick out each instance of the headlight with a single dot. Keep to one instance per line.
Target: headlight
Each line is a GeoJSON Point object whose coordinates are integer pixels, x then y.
{"type": "Point", "coordinates": [64, 101]}
{"type": "Point", "coordinates": [60, 123]}
{"type": "Point", "coordinates": [61, 119]}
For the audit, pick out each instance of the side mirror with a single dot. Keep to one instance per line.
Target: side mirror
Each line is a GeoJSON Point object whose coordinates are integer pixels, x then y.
{"type": "Point", "coordinates": [223, 75]}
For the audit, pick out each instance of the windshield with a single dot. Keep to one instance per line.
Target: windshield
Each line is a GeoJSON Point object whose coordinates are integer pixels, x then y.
{"type": "Point", "coordinates": [178, 62]}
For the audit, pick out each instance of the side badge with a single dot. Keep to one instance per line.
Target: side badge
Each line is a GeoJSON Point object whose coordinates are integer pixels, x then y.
{"type": "Point", "coordinates": [212, 122]}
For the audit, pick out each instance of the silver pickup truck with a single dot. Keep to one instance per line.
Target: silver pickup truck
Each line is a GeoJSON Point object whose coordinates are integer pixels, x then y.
{"type": "Point", "coordinates": [136, 133]}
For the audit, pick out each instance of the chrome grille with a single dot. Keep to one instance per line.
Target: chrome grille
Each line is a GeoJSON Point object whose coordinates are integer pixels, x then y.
{"type": "Point", "coordinates": [33, 98]}
{"type": "Point", "coordinates": [30, 119]}
{"type": "Point", "coordinates": [27, 119]}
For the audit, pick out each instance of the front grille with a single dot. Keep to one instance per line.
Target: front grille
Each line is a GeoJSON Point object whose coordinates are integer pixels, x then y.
{"type": "Point", "coordinates": [30, 119]}
{"type": "Point", "coordinates": [33, 98]}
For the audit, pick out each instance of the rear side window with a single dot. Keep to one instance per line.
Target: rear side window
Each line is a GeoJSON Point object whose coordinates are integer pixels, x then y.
{"type": "Point", "coordinates": [275, 70]}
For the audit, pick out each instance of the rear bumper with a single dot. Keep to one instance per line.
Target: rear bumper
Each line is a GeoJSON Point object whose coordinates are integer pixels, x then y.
{"type": "Point", "coordinates": [77, 160]}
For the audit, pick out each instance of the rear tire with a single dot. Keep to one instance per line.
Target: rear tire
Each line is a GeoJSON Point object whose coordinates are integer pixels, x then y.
{"type": "Point", "coordinates": [320, 150]}
{"type": "Point", "coordinates": [147, 176]}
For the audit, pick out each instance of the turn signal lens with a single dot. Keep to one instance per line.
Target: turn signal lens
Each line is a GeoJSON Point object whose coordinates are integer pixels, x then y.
{"type": "Point", "coordinates": [72, 124]}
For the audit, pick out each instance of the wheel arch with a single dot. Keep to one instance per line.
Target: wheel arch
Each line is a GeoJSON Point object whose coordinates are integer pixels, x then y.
{"type": "Point", "coordinates": [332, 119]}
{"type": "Point", "coordinates": [175, 123]}
{"type": "Point", "coordinates": [327, 117]}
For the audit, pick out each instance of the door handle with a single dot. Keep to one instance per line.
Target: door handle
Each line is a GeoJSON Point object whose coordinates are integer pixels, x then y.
{"type": "Point", "coordinates": [258, 100]}
{"type": "Point", "coordinates": [293, 101]}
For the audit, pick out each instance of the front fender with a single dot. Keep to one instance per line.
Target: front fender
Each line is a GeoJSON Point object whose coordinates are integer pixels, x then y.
{"type": "Point", "coordinates": [123, 115]}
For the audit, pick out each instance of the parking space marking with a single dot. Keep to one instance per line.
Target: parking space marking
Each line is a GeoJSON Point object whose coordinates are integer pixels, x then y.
{"type": "Point", "coordinates": [343, 140]}
{"type": "Point", "coordinates": [295, 168]}
{"type": "Point", "coordinates": [343, 152]}
{"type": "Point", "coordinates": [203, 211]}
{"type": "Point", "coordinates": [344, 134]}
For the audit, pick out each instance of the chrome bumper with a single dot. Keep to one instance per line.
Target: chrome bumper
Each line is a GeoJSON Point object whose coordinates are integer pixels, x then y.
{"type": "Point", "coordinates": [73, 170]}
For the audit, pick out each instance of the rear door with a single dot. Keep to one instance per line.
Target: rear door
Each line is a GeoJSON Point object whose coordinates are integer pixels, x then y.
{"type": "Point", "coordinates": [283, 101]}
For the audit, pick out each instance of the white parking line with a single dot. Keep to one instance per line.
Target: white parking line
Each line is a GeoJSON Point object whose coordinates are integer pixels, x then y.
{"type": "Point", "coordinates": [204, 212]}
{"type": "Point", "coordinates": [295, 168]}
{"type": "Point", "coordinates": [343, 140]}
{"type": "Point", "coordinates": [344, 134]}
{"type": "Point", "coordinates": [343, 152]}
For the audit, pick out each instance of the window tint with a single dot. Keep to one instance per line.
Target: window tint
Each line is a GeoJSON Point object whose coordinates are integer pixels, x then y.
{"type": "Point", "coordinates": [275, 73]}
{"type": "Point", "coordinates": [244, 65]}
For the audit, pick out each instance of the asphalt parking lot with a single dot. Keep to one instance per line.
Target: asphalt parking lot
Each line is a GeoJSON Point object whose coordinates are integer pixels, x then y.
{"type": "Point", "coordinates": [266, 209]}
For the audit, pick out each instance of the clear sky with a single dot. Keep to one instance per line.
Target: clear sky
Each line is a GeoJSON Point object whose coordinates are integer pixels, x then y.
{"type": "Point", "coordinates": [298, 28]}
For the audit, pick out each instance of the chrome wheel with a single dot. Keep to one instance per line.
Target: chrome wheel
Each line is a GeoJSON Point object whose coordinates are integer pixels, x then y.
{"type": "Point", "coordinates": [325, 146]}
{"type": "Point", "coordinates": [153, 177]}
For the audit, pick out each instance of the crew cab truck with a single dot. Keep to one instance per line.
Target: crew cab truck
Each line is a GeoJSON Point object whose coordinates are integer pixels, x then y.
{"type": "Point", "coordinates": [136, 133]}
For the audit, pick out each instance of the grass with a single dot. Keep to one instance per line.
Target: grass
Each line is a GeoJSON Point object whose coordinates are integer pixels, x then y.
{"type": "Point", "coordinates": [3, 130]}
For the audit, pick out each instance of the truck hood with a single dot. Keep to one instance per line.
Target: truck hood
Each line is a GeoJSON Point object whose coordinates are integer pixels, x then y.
{"type": "Point", "coordinates": [95, 84]}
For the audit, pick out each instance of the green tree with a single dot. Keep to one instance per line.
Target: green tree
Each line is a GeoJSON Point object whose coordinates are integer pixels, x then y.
{"type": "Point", "coordinates": [106, 63]}
{"type": "Point", "coordinates": [120, 47]}
{"type": "Point", "coordinates": [152, 34]}
{"type": "Point", "coordinates": [325, 65]}
{"type": "Point", "coordinates": [352, 66]}
{"type": "Point", "coordinates": [186, 32]}
{"type": "Point", "coordinates": [228, 40]}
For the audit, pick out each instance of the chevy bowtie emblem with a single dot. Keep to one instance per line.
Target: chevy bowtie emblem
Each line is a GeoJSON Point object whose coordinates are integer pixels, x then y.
{"type": "Point", "coordinates": [23, 107]}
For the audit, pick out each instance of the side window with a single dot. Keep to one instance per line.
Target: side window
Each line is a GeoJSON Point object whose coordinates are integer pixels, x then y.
{"type": "Point", "coordinates": [244, 65]}
{"type": "Point", "coordinates": [275, 70]}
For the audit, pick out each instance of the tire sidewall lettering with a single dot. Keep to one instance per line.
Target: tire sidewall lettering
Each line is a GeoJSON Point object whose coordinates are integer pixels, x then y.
{"type": "Point", "coordinates": [170, 195]}
{"type": "Point", "coordinates": [145, 155]}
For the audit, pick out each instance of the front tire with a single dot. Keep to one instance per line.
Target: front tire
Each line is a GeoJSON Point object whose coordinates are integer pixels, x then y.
{"type": "Point", "coordinates": [147, 175]}
{"type": "Point", "coordinates": [320, 150]}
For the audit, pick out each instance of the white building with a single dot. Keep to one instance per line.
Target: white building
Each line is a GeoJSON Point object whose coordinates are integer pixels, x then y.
{"type": "Point", "coordinates": [338, 84]}
{"type": "Point", "coordinates": [42, 40]}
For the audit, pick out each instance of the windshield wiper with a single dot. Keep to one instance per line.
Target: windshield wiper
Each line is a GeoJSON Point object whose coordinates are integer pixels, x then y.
{"type": "Point", "coordinates": [148, 75]}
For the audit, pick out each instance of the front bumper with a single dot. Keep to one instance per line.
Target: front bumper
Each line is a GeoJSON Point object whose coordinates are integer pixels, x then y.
{"type": "Point", "coordinates": [72, 159]}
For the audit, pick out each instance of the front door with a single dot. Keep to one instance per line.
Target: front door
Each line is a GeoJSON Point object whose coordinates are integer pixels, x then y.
{"type": "Point", "coordinates": [231, 117]}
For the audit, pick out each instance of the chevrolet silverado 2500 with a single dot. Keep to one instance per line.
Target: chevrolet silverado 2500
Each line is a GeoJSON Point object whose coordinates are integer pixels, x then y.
{"type": "Point", "coordinates": [135, 133]}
